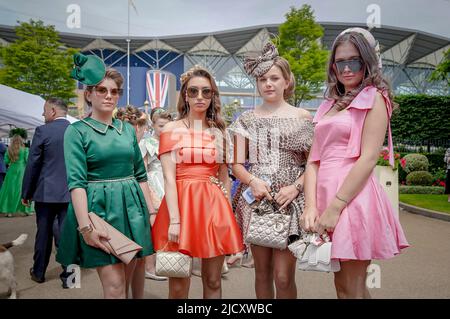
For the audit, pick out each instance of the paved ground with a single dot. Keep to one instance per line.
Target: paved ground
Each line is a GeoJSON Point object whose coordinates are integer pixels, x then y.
{"type": "Point", "coordinates": [422, 271]}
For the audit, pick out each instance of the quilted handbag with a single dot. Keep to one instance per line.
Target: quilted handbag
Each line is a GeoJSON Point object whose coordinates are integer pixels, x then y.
{"type": "Point", "coordinates": [173, 264]}
{"type": "Point", "coordinates": [313, 253]}
{"type": "Point", "coordinates": [268, 225]}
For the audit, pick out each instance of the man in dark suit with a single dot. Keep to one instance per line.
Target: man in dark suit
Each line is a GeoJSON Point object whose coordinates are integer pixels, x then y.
{"type": "Point", "coordinates": [45, 182]}
{"type": "Point", "coordinates": [2, 163]}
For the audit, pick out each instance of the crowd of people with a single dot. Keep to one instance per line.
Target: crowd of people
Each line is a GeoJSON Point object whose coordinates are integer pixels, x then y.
{"type": "Point", "coordinates": [171, 190]}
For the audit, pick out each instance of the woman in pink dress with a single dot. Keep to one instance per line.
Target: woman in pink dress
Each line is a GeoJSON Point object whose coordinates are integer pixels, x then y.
{"type": "Point", "coordinates": [342, 195]}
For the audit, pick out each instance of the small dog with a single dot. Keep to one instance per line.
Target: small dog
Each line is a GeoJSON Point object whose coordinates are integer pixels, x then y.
{"type": "Point", "coordinates": [7, 274]}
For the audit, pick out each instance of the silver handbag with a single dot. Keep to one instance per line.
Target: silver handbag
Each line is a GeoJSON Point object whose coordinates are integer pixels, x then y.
{"type": "Point", "coordinates": [268, 225]}
{"type": "Point", "coordinates": [173, 264]}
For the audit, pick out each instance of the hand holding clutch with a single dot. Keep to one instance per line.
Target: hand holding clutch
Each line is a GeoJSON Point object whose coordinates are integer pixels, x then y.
{"type": "Point", "coordinates": [118, 244]}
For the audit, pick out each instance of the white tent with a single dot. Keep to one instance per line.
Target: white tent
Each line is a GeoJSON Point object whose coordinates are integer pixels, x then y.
{"type": "Point", "coordinates": [21, 109]}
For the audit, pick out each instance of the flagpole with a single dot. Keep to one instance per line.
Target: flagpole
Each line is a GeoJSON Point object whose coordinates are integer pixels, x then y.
{"type": "Point", "coordinates": [128, 56]}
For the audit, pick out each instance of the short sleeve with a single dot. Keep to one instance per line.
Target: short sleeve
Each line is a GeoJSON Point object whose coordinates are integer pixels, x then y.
{"type": "Point", "coordinates": [239, 134]}
{"type": "Point", "coordinates": [75, 159]}
{"type": "Point", "coordinates": [314, 153]}
{"type": "Point", "coordinates": [241, 126]}
{"type": "Point", "coordinates": [305, 135]}
{"type": "Point", "coordinates": [172, 140]}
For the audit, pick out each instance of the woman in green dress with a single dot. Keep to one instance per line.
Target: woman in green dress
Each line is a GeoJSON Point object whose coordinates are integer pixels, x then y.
{"type": "Point", "coordinates": [10, 193]}
{"type": "Point", "coordinates": [106, 176]}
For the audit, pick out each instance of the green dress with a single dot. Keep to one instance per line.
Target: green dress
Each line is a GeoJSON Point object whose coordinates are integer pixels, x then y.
{"type": "Point", "coordinates": [106, 161]}
{"type": "Point", "coordinates": [11, 191]}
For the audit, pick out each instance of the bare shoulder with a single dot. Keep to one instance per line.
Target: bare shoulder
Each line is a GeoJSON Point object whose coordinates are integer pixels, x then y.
{"type": "Point", "coordinates": [173, 125]}
{"type": "Point", "coordinates": [379, 103]}
{"type": "Point", "coordinates": [302, 113]}
{"type": "Point", "coordinates": [378, 113]}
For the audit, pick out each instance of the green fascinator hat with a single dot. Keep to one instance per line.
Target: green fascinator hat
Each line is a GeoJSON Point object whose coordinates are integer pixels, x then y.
{"type": "Point", "coordinates": [88, 69]}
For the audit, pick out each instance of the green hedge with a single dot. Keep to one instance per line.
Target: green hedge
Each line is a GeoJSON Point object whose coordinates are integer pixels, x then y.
{"type": "Point", "coordinates": [422, 178]}
{"type": "Point", "coordinates": [435, 160]}
{"type": "Point", "coordinates": [421, 117]}
{"type": "Point", "coordinates": [416, 162]}
{"type": "Point", "coordinates": [431, 190]}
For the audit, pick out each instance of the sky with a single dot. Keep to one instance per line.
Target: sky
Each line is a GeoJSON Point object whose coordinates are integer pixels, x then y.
{"type": "Point", "coordinates": [178, 17]}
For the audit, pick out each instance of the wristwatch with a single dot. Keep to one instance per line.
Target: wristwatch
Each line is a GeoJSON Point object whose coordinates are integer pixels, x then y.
{"type": "Point", "coordinates": [299, 187]}
{"type": "Point", "coordinates": [85, 229]}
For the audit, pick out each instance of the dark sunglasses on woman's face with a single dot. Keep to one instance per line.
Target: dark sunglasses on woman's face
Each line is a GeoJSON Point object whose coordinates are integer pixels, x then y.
{"type": "Point", "coordinates": [355, 65]}
{"type": "Point", "coordinates": [102, 91]}
{"type": "Point", "coordinates": [192, 92]}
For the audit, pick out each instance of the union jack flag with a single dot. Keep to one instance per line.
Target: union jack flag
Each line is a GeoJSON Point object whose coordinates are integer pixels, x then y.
{"type": "Point", "coordinates": [157, 83]}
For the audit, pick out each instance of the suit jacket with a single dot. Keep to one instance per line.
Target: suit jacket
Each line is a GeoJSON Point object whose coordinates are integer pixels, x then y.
{"type": "Point", "coordinates": [45, 178]}
{"type": "Point", "coordinates": [2, 160]}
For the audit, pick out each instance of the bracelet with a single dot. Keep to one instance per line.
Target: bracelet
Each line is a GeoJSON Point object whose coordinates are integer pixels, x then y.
{"type": "Point", "coordinates": [153, 214]}
{"type": "Point", "coordinates": [175, 223]}
{"type": "Point", "coordinates": [251, 179]}
{"type": "Point", "coordinates": [342, 200]}
{"type": "Point", "coordinates": [299, 187]}
{"type": "Point", "coordinates": [85, 229]}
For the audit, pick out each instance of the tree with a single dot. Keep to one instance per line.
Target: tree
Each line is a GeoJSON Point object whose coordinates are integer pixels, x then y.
{"type": "Point", "coordinates": [36, 62]}
{"type": "Point", "coordinates": [442, 69]}
{"type": "Point", "coordinates": [299, 43]}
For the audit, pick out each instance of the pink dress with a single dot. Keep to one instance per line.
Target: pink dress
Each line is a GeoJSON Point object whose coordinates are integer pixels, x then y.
{"type": "Point", "coordinates": [367, 228]}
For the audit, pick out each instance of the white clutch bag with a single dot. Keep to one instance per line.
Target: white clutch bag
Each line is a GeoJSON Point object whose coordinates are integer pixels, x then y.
{"type": "Point", "coordinates": [313, 253]}
{"type": "Point", "coordinates": [173, 264]}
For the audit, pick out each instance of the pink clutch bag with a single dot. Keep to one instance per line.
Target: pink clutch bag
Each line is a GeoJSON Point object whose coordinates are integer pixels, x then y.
{"type": "Point", "coordinates": [120, 245]}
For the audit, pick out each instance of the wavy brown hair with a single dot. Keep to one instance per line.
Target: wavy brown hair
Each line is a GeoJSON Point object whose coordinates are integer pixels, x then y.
{"type": "Point", "coordinates": [213, 113]}
{"type": "Point", "coordinates": [132, 115]}
{"type": "Point", "coordinates": [372, 73]}
{"type": "Point", "coordinates": [14, 148]}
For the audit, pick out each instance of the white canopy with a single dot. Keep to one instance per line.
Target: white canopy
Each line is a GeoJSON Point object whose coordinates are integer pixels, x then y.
{"type": "Point", "coordinates": [21, 109]}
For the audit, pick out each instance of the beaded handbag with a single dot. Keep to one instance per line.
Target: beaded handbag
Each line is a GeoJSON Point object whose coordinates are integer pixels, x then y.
{"type": "Point", "coordinates": [268, 226]}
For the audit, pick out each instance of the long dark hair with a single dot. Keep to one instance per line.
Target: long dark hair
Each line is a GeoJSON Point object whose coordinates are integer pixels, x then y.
{"type": "Point", "coordinates": [372, 72]}
{"type": "Point", "coordinates": [213, 113]}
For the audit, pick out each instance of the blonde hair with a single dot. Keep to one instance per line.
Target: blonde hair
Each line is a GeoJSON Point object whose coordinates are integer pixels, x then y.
{"type": "Point", "coordinates": [159, 113]}
{"type": "Point", "coordinates": [213, 114]}
{"type": "Point", "coordinates": [372, 72]}
{"type": "Point", "coordinates": [14, 148]}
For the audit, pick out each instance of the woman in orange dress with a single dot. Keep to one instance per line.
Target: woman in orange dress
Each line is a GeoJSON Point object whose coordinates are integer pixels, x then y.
{"type": "Point", "coordinates": [195, 216]}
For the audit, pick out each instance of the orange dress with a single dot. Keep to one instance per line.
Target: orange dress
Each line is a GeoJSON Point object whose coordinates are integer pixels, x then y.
{"type": "Point", "coordinates": [208, 227]}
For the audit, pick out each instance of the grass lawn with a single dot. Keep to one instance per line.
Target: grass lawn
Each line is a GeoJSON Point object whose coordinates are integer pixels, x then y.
{"type": "Point", "coordinates": [434, 202]}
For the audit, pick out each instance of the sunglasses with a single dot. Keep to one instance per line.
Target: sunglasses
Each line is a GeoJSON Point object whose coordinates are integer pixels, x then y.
{"type": "Point", "coordinates": [355, 65]}
{"type": "Point", "coordinates": [192, 92]}
{"type": "Point", "coordinates": [102, 91]}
